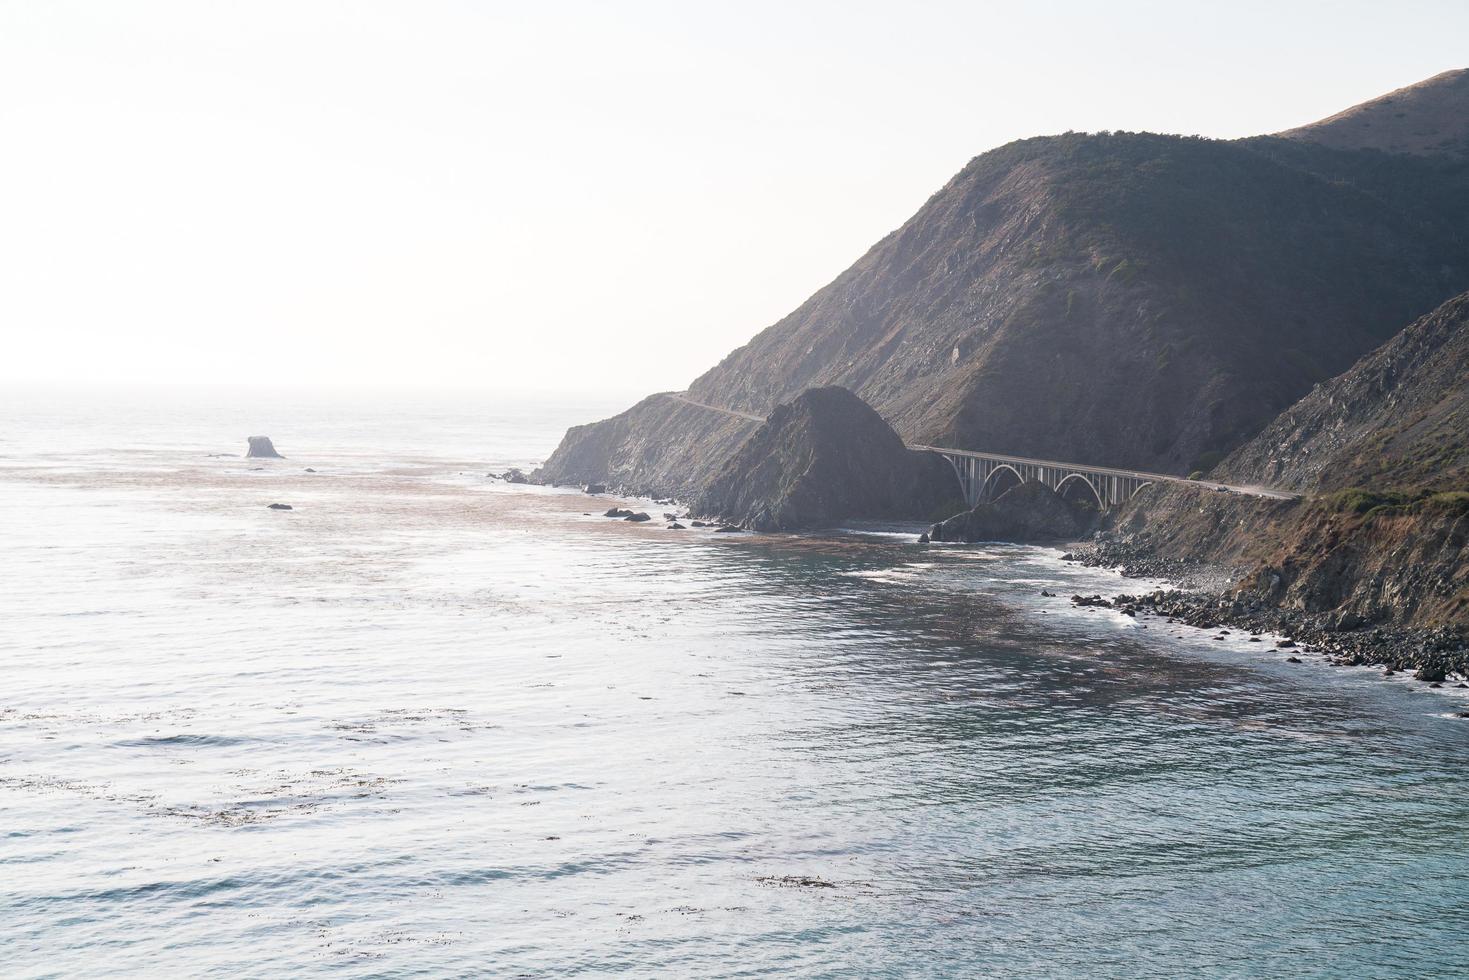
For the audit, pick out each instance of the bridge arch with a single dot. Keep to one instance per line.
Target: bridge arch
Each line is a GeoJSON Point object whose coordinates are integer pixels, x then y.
{"type": "Point", "coordinates": [994, 482]}
{"type": "Point", "coordinates": [1135, 489]}
{"type": "Point", "coordinates": [1068, 485]}
{"type": "Point", "coordinates": [961, 474]}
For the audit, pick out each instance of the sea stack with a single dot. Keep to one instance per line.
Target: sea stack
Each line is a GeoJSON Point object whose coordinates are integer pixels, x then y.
{"type": "Point", "coordinates": [262, 448]}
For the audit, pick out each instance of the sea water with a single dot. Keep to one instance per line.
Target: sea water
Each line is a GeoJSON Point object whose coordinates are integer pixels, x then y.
{"type": "Point", "coordinates": [427, 723]}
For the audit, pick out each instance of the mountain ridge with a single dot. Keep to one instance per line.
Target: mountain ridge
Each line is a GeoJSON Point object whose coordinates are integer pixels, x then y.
{"type": "Point", "coordinates": [1121, 299]}
{"type": "Point", "coordinates": [1430, 116]}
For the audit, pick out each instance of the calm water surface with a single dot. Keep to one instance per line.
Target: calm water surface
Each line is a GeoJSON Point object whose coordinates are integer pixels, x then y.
{"type": "Point", "coordinates": [426, 724]}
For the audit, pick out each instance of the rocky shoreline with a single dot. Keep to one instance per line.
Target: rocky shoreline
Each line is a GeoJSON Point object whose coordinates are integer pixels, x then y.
{"type": "Point", "coordinates": [1204, 596]}
{"type": "Point", "coordinates": [1437, 656]}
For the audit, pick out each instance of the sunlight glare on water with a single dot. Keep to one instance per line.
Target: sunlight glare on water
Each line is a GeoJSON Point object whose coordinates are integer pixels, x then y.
{"type": "Point", "coordinates": [426, 722]}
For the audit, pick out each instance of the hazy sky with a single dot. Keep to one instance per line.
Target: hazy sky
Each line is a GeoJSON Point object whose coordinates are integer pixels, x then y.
{"type": "Point", "coordinates": [552, 195]}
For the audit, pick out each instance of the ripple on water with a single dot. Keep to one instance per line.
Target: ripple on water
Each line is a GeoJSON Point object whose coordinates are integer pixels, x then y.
{"type": "Point", "coordinates": [432, 726]}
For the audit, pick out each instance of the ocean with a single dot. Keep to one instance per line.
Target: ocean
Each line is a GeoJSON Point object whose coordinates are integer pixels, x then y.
{"type": "Point", "coordinates": [425, 723]}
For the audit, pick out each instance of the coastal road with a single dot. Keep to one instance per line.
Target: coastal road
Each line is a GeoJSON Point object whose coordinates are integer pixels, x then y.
{"type": "Point", "coordinates": [1268, 493]}
{"type": "Point", "coordinates": [713, 408]}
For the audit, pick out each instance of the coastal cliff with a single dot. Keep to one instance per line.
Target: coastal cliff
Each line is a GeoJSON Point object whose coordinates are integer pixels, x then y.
{"type": "Point", "coordinates": [1382, 454]}
{"type": "Point", "coordinates": [1124, 299]}
{"type": "Point", "coordinates": [1155, 302]}
{"type": "Point", "coordinates": [661, 447]}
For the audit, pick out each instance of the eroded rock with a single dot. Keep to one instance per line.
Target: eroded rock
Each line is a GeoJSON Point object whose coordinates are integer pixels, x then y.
{"type": "Point", "coordinates": [262, 448]}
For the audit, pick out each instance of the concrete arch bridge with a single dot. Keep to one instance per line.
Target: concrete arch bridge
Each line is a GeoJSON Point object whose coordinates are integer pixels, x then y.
{"type": "Point", "coordinates": [984, 476]}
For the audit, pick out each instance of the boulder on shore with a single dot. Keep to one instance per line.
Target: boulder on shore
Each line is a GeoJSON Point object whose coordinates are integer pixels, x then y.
{"type": "Point", "coordinates": [638, 518]}
{"type": "Point", "coordinates": [824, 458]}
{"type": "Point", "coordinates": [262, 448]}
{"type": "Point", "coordinates": [1029, 512]}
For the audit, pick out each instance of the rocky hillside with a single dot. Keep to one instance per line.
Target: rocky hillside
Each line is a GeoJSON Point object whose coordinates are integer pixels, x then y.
{"type": "Point", "coordinates": [1382, 452]}
{"type": "Point", "coordinates": [1431, 116]}
{"type": "Point", "coordinates": [822, 459]}
{"type": "Point", "coordinates": [659, 447]}
{"type": "Point", "coordinates": [1398, 421]}
{"type": "Point", "coordinates": [1116, 298]}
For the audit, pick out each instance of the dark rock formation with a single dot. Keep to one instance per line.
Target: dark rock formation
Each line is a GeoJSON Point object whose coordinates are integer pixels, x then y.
{"type": "Point", "coordinates": [594, 488]}
{"type": "Point", "coordinates": [514, 475]}
{"type": "Point", "coordinates": [617, 512]}
{"type": "Point", "coordinates": [637, 518]}
{"type": "Point", "coordinates": [824, 458]}
{"type": "Point", "coordinates": [658, 448]}
{"type": "Point", "coordinates": [1029, 512]}
{"type": "Point", "coordinates": [279, 507]}
{"type": "Point", "coordinates": [262, 448]}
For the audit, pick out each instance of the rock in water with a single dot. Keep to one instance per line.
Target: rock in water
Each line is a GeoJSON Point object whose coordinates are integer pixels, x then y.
{"type": "Point", "coordinates": [824, 458]}
{"type": "Point", "coordinates": [1029, 512]}
{"type": "Point", "coordinates": [279, 507]}
{"type": "Point", "coordinates": [262, 448]}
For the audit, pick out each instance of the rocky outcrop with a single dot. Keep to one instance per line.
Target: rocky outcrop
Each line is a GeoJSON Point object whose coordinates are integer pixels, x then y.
{"type": "Point", "coordinates": [660, 447]}
{"type": "Point", "coordinates": [824, 458]}
{"type": "Point", "coordinates": [1031, 511]}
{"type": "Point", "coordinates": [262, 448]}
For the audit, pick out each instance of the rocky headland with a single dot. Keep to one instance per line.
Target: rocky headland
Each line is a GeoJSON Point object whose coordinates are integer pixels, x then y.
{"type": "Point", "coordinates": [824, 458]}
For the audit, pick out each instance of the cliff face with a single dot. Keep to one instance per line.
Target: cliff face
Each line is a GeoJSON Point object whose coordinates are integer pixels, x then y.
{"type": "Point", "coordinates": [1383, 453]}
{"type": "Point", "coordinates": [1121, 299]}
{"type": "Point", "coordinates": [824, 458]}
{"type": "Point", "coordinates": [659, 447]}
{"type": "Point", "coordinates": [1397, 420]}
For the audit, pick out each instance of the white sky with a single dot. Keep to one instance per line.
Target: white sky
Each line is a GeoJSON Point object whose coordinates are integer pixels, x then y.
{"type": "Point", "coordinates": [559, 195]}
